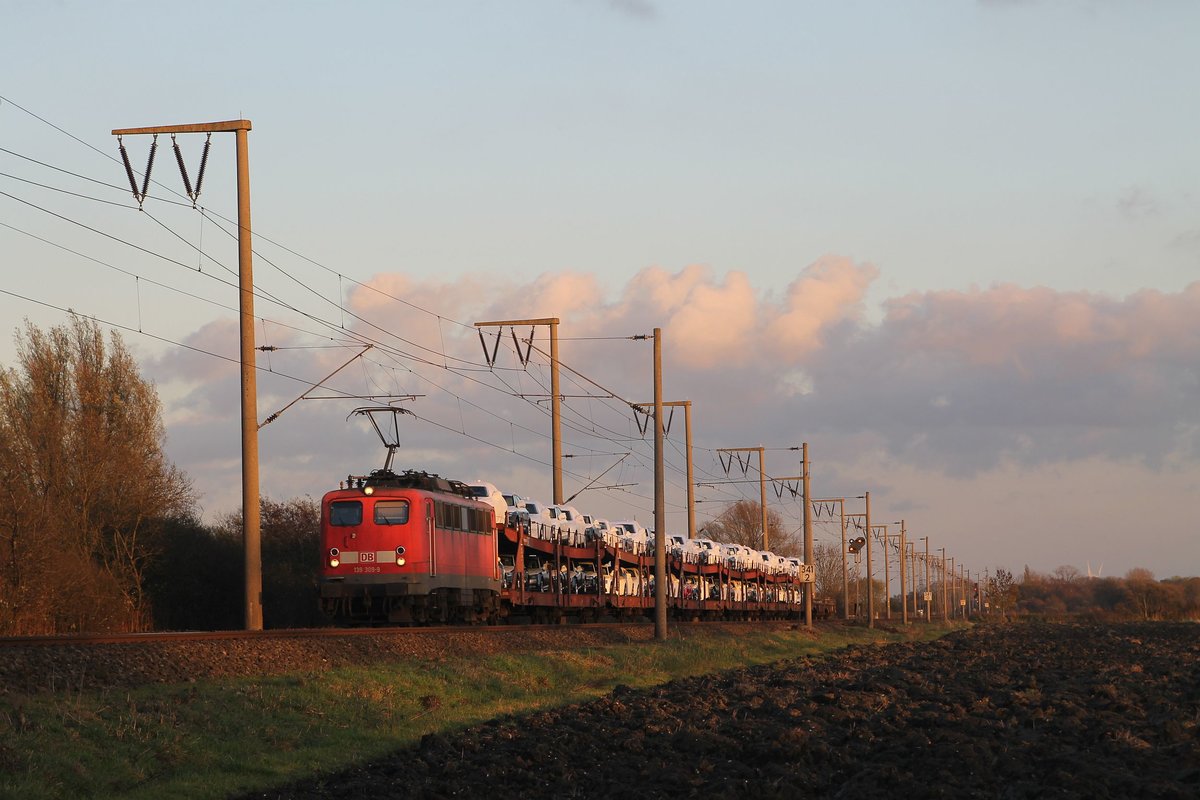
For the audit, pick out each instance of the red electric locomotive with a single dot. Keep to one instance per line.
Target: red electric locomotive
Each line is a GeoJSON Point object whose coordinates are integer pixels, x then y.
{"type": "Point", "coordinates": [407, 548]}
{"type": "Point", "coordinates": [414, 548]}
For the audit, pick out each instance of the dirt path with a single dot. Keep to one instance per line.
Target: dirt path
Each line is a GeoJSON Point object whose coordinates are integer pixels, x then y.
{"type": "Point", "coordinates": [999, 711]}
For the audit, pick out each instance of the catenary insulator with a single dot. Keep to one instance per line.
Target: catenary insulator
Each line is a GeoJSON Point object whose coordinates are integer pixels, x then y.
{"type": "Point", "coordinates": [149, 166]}
{"type": "Point", "coordinates": [129, 172]}
{"type": "Point", "coordinates": [187, 184]}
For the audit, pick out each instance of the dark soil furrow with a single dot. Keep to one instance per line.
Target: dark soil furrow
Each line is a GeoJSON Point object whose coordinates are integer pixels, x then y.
{"type": "Point", "coordinates": [999, 711]}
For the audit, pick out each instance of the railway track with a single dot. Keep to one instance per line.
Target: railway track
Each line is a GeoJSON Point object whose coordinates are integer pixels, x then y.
{"type": "Point", "coordinates": [74, 640]}
{"type": "Point", "coordinates": [38, 664]}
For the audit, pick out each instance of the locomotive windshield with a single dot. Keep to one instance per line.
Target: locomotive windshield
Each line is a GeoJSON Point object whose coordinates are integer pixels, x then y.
{"type": "Point", "coordinates": [391, 512]}
{"type": "Point", "coordinates": [345, 512]}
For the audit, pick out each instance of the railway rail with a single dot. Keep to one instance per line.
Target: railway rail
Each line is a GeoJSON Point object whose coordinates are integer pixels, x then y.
{"type": "Point", "coordinates": [83, 639]}
{"type": "Point", "coordinates": [37, 664]}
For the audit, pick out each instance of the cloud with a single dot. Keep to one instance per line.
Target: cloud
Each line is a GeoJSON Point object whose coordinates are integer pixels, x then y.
{"type": "Point", "coordinates": [955, 380]}
{"type": "Point", "coordinates": [195, 362]}
{"type": "Point", "coordinates": [707, 321]}
{"type": "Point", "coordinates": [1137, 203]}
{"type": "Point", "coordinates": [965, 380]}
{"type": "Point", "coordinates": [1187, 241]}
{"type": "Point", "coordinates": [1007, 324]}
{"type": "Point", "coordinates": [638, 9]}
{"type": "Point", "coordinates": [828, 292]}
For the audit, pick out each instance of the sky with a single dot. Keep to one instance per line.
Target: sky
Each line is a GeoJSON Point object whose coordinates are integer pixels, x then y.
{"type": "Point", "coordinates": [952, 246]}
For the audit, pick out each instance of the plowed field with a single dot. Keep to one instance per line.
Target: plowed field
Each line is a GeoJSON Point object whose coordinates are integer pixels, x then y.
{"type": "Point", "coordinates": [1008, 711]}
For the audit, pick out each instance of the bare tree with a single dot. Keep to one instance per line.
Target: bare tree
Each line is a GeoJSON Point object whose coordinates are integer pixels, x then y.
{"type": "Point", "coordinates": [1002, 591]}
{"type": "Point", "coordinates": [86, 478]}
{"type": "Point", "coordinates": [827, 560]}
{"type": "Point", "coordinates": [741, 523]}
{"type": "Point", "coordinates": [1066, 574]}
{"type": "Point", "coordinates": [862, 586]}
{"type": "Point", "coordinates": [1148, 597]}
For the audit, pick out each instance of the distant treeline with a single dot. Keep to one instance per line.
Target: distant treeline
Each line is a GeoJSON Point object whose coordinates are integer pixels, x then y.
{"type": "Point", "coordinates": [1137, 595]}
{"type": "Point", "coordinates": [195, 581]}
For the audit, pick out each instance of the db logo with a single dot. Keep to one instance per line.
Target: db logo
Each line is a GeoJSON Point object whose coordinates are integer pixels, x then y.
{"type": "Point", "coordinates": [366, 557]}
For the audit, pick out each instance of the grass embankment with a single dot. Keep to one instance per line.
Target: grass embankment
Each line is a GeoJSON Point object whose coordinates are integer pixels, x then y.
{"type": "Point", "coordinates": [213, 738]}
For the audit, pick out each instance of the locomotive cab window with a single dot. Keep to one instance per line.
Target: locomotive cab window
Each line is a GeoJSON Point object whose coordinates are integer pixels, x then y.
{"type": "Point", "coordinates": [391, 512]}
{"type": "Point", "coordinates": [345, 512]}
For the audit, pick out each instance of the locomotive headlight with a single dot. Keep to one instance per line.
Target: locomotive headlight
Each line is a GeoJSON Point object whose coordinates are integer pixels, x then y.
{"type": "Point", "coordinates": [333, 557]}
{"type": "Point", "coordinates": [335, 561]}
{"type": "Point", "coordinates": [400, 562]}
{"type": "Point", "coordinates": [369, 490]}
